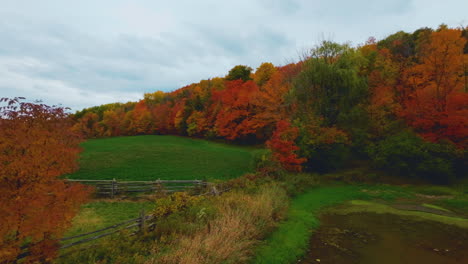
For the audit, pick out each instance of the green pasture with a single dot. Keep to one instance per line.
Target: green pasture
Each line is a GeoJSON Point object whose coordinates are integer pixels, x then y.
{"type": "Point", "coordinates": [161, 157]}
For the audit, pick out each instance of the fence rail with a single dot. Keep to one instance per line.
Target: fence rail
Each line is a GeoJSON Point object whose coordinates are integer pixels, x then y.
{"type": "Point", "coordinates": [113, 187]}
{"type": "Point", "coordinates": [139, 223]}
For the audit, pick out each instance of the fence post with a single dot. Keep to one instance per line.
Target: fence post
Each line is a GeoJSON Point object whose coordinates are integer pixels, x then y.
{"type": "Point", "coordinates": [143, 222]}
{"type": "Point", "coordinates": [202, 185]}
{"type": "Point", "coordinates": [214, 190]}
{"type": "Point", "coordinates": [113, 188]}
{"type": "Point", "coordinates": [159, 187]}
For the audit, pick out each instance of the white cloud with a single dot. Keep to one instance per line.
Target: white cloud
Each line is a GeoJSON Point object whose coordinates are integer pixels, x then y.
{"type": "Point", "coordinates": [14, 83]}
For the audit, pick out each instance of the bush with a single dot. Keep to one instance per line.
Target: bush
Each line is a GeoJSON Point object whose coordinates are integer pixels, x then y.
{"type": "Point", "coordinates": [327, 158]}
{"type": "Point", "coordinates": [406, 154]}
{"type": "Point", "coordinates": [266, 165]}
{"type": "Point", "coordinates": [297, 183]}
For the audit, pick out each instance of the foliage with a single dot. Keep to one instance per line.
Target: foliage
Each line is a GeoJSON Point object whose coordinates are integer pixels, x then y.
{"type": "Point", "coordinates": [436, 105]}
{"type": "Point", "coordinates": [264, 73]}
{"type": "Point", "coordinates": [283, 146]}
{"type": "Point", "coordinates": [232, 120]}
{"type": "Point", "coordinates": [408, 154]}
{"type": "Point", "coordinates": [266, 165]}
{"type": "Point", "coordinates": [174, 203]}
{"type": "Point", "coordinates": [330, 85]}
{"type": "Point", "coordinates": [326, 148]}
{"type": "Point", "coordinates": [239, 72]}
{"type": "Point", "coordinates": [37, 146]}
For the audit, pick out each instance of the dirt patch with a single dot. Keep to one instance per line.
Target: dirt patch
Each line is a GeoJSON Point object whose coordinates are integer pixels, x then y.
{"type": "Point", "coordinates": [369, 238]}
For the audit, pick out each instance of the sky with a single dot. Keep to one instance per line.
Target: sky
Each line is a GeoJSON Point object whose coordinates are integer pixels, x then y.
{"type": "Point", "coordinates": [85, 53]}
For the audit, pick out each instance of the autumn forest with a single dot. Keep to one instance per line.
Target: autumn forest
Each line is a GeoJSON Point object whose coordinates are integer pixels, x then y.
{"type": "Point", "coordinates": [397, 102]}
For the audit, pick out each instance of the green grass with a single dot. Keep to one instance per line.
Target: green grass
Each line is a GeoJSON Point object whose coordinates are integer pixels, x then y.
{"type": "Point", "coordinates": [435, 207]}
{"type": "Point", "coordinates": [357, 206]}
{"type": "Point", "coordinates": [290, 240]}
{"type": "Point", "coordinates": [435, 190]}
{"type": "Point", "coordinates": [161, 157]}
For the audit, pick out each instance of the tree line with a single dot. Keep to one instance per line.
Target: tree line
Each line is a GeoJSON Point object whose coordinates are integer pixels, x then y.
{"type": "Point", "coordinates": [400, 102]}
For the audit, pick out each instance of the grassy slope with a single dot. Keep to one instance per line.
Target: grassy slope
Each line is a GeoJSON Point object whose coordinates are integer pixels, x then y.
{"type": "Point", "coordinates": [161, 157]}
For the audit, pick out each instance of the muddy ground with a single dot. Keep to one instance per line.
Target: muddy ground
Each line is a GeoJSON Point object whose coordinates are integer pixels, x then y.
{"type": "Point", "coordinates": [369, 238]}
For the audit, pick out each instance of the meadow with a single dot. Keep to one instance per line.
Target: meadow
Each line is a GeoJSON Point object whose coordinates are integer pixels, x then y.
{"type": "Point", "coordinates": [162, 157]}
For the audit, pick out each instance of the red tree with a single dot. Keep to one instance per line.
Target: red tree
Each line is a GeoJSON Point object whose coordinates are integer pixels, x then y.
{"type": "Point", "coordinates": [283, 146]}
{"type": "Point", "coordinates": [37, 146]}
{"type": "Point", "coordinates": [233, 118]}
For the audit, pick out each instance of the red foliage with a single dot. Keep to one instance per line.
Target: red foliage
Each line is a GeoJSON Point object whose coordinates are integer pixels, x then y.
{"type": "Point", "coordinates": [161, 118]}
{"type": "Point", "coordinates": [283, 146]}
{"type": "Point", "coordinates": [232, 121]}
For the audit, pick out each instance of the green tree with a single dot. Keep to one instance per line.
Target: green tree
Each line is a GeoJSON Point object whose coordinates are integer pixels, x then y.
{"type": "Point", "coordinates": [330, 84]}
{"type": "Point", "coordinates": [239, 72]}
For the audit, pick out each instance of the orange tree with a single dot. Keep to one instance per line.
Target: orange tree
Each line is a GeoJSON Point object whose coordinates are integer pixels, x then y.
{"type": "Point", "coordinates": [37, 146]}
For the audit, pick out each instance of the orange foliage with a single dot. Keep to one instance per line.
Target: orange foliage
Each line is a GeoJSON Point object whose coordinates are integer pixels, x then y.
{"type": "Point", "coordinates": [437, 105]}
{"type": "Point", "coordinates": [161, 118]}
{"type": "Point", "coordinates": [140, 119]}
{"type": "Point", "coordinates": [112, 121]}
{"type": "Point", "coordinates": [269, 105]}
{"type": "Point", "coordinates": [87, 125]}
{"type": "Point", "coordinates": [232, 121]}
{"type": "Point", "coordinates": [37, 146]}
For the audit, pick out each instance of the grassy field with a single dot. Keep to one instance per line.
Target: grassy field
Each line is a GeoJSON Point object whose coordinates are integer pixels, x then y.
{"type": "Point", "coordinates": [161, 157]}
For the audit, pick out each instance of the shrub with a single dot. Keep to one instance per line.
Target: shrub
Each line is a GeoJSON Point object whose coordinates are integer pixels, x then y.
{"type": "Point", "coordinates": [266, 165]}
{"type": "Point", "coordinates": [297, 183]}
{"type": "Point", "coordinates": [408, 155]}
{"type": "Point", "coordinates": [174, 203]}
{"type": "Point", "coordinates": [326, 148]}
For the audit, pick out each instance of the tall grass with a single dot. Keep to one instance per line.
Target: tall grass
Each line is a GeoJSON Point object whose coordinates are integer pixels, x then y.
{"type": "Point", "coordinates": [242, 220]}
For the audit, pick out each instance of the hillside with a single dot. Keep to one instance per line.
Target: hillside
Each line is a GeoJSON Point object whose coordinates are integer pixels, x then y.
{"type": "Point", "coordinates": [161, 157]}
{"type": "Point", "coordinates": [399, 103]}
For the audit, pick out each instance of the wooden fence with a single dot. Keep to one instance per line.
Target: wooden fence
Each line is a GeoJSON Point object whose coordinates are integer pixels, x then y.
{"type": "Point", "coordinates": [113, 187]}
{"type": "Point", "coordinates": [139, 225]}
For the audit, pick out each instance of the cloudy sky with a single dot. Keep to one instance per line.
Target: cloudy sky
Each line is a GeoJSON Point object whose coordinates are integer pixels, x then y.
{"type": "Point", "coordinates": [88, 52]}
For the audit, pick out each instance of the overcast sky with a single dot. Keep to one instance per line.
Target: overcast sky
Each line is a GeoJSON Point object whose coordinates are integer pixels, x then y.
{"type": "Point", "coordinates": [89, 52]}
